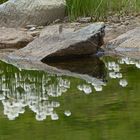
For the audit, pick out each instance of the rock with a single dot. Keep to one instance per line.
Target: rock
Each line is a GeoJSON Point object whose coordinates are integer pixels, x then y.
{"type": "Point", "coordinates": [14, 38]}
{"type": "Point", "coordinates": [15, 13]}
{"type": "Point", "coordinates": [85, 41]}
{"type": "Point", "coordinates": [127, 44]}
{"type": "Point", "coordinates": [55, 30]}
{"type": "Point", "coordinates": [114, 19]}
{"type": "Point", "coordinates": [30, 26]}
{"type": "Point", "coordinates": [34, 33]}
{"type": "Point", "coordinates": [84, 19]}
{"type": "Point", "coordinates": [126, 23]}
{"type": "Point", "coordinates": [40, 27]}
{"type": "Point", "coordinates": [32, 29]}
{"type": "Point", "coordinates": [57, 21]}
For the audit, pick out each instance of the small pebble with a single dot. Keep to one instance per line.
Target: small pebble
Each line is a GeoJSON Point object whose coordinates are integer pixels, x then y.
{"type": "Point", "coordinates": [32, 29]}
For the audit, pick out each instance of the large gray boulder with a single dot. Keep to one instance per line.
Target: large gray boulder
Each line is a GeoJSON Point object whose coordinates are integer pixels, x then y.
{"type": "Point", "coordinates": [85, 41]}
{"type": "Point", "coordinates": [15, 13]}
{"type": "Point", "coordinates": [127, 44]}
{"type": "Point", "coordinates": [14, 38]}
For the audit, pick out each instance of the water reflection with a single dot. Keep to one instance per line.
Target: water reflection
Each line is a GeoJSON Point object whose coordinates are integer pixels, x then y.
{"type": "Point", "coordinates": [34, 89]}
{"type": "Point", "coordinates": [85, 88]}
{"type": "Point", "coordinates": [129, 61]}
{"type": "Point", "coordinates": [20, 89]}
{"type": "Point", "coordinates": [114, 69]}
{"type": "Point", "coordinates": [38, 90]}
{"type": "Point", "coordinates": [91, 66]}
{"type": "Point", "coordinates": [19, 94]}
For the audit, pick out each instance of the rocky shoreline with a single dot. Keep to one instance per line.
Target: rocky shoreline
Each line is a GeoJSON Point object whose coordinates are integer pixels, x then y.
{"type": "Point", "coordinates": [12, 39]}
{"type": "Point", "coordinates": [118, 40]}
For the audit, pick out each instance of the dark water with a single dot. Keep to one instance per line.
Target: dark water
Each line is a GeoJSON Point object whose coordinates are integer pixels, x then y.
{"type": "Point", "coordinates": [41, 106]}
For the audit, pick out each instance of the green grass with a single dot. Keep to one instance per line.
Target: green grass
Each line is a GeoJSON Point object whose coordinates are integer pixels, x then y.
{"type": "Point", "coordinates": [100, 9]}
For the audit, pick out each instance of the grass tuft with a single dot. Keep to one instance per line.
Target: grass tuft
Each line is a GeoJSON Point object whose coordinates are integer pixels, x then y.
{"type": "Point", "coordinates": [100, 9]}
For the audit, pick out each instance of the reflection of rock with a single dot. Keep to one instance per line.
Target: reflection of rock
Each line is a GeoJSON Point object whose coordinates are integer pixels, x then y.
{"type": "Point", "coordinates": [91, 66]}
{"type": "Point", "coordinates": [32, 65]}
{"type": "Point", "coordinates": [127, 44]}
{"type": "Point", "coordinates": [23, 12]}
{"type": "Point", "coordinates": [85, 41]}
{"type": "Point", "coordinates": [13, 38]}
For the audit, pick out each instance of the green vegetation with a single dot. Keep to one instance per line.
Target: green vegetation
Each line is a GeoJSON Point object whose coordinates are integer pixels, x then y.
{"type": "Point", "coordinates": [2, 1]}
{"type": "Point", "coordinates": [100, 9]}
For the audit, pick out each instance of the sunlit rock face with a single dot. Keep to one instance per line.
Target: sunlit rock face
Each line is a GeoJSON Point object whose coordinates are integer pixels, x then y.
{"type": "Point", "coordinates": [17, 13]}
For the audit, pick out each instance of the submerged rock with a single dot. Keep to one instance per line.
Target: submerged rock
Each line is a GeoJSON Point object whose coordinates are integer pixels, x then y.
{"type": "Point", "coordinates": [14, 38]}
{"type": "Point", "coordinates": [85, 41]}
{"type": "Point", "coordinates": [127, 44]}
{"type": "Point", "coordinates": [15, 13]}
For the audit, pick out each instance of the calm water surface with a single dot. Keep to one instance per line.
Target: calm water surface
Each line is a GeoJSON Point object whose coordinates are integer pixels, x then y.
{"type": "Point", "coordinates": [41, 106]}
